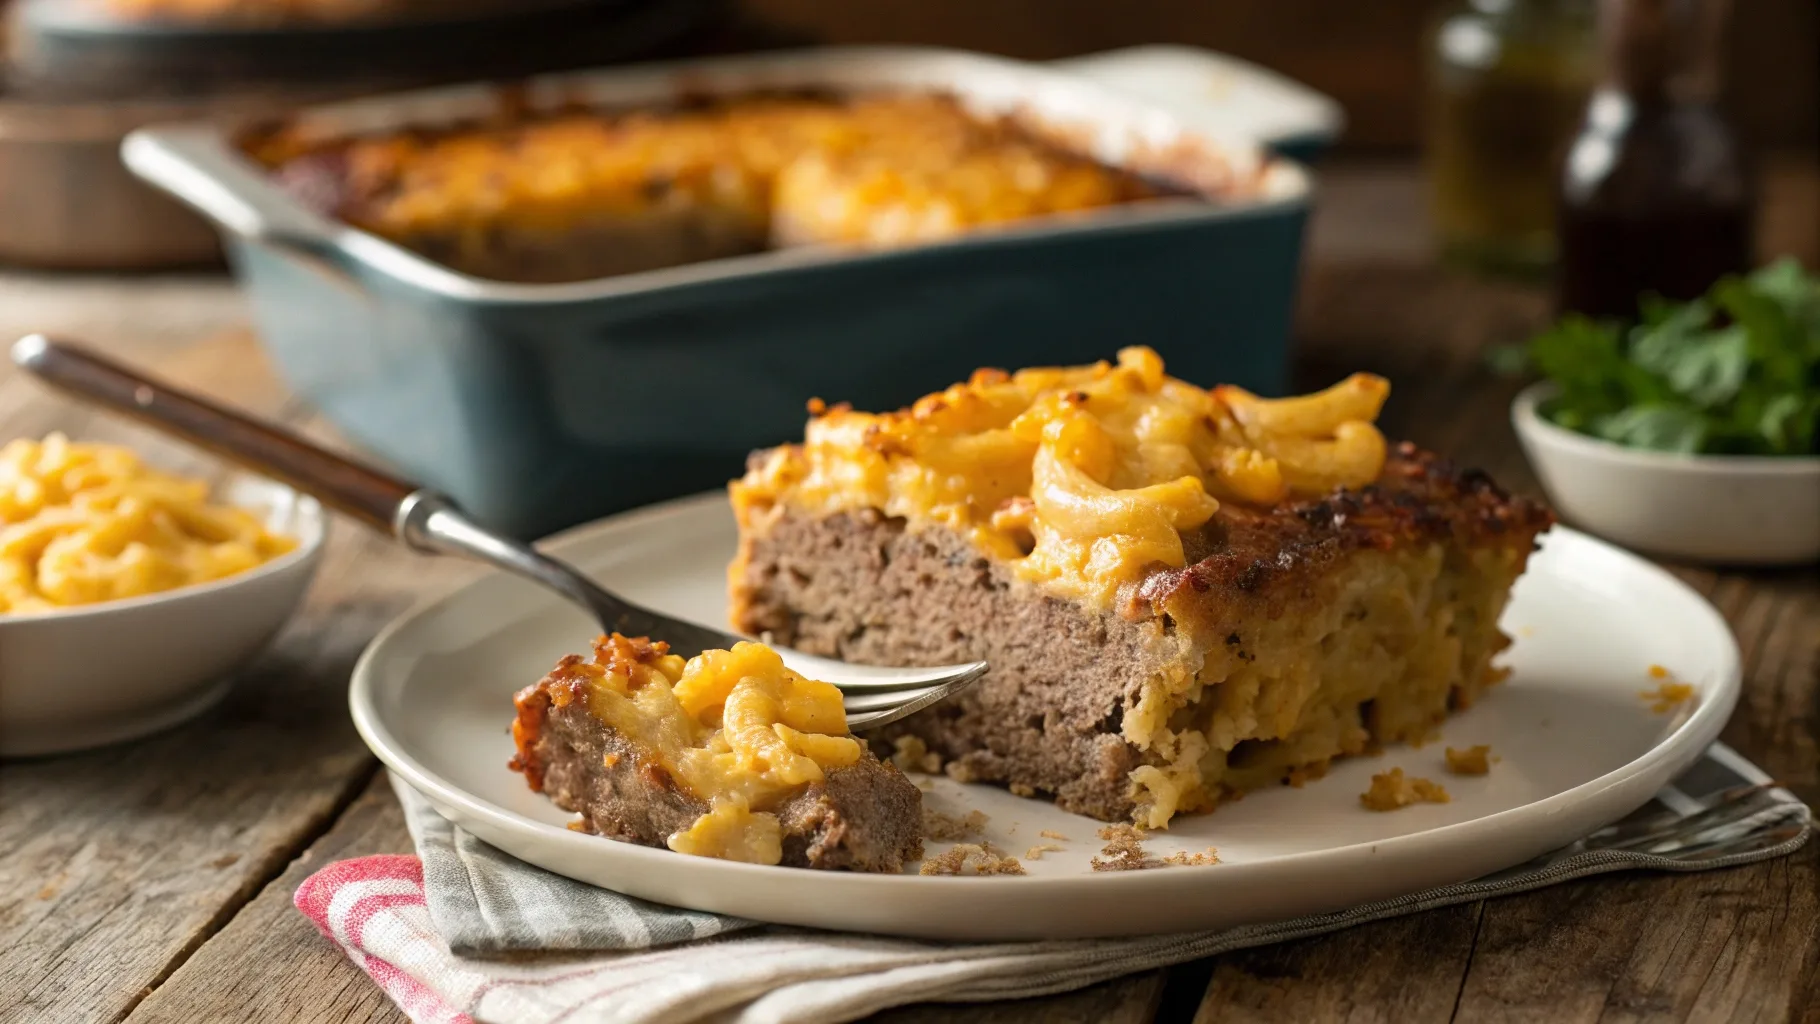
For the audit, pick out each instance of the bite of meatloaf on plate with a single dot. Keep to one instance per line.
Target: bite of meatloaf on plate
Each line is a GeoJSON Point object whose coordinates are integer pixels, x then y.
{"type": "Point", "coordinates": [728, 755]}
{"type": "Point", "coordinates": [1183, 593]}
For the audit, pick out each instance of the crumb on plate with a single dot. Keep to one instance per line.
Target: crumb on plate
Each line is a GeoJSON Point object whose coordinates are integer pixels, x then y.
{"type": "Point", "coordinates": [1302, 775]}
{"type": "Point", "coordinates": [1424, 739]}
{"type": "Point", "coordinates": [960, 771]}
{"type": "Point", "coordinates": [972, 859]}
{"type": "Point", "coordinates": [944, 828]}
{"type": "Point", "coordinates": [913, 755]}
{"type": "Point", "coordinates": [1036, 852]}
{"type": "Point", "coordinates": [1124, 850]}
{"type": "Point", "coordinates": [1668, 695]}
{"type": "Point", "coordinates": [1047, 834]}
{"type": "Point", "coordinates": [1392, 789]}
{"type": "Point", "coordinates": [1471, 761]}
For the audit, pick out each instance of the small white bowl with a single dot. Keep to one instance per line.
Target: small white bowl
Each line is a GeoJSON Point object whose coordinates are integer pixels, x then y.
{"type": "Point", "coordinates": [102, 673]}
{"type": "Point", "coordinates": [1720, 509]}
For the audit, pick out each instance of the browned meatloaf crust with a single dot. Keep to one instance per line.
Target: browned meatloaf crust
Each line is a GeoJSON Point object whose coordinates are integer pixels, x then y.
{"type": "Point", "coordinates": [863, 817]}
{"type": "Point", "coordinates": [1353, 586]}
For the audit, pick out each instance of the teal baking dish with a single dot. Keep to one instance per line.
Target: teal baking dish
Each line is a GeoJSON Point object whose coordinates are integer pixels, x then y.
{"type": "Point", "coordinates": [538, 406]}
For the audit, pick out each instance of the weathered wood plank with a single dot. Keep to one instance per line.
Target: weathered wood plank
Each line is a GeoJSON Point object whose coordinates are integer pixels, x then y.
{"type": "Point", "coordinates": [1776, 616]}
{"type": "Point", "coordinates": [270, 963]}
{"type": "Point", "coordinates": [1735, 946]}
{"type": "Point", "coordinates": [1404, 970]}
{"type": "Point", "coordinates": [152, 313]}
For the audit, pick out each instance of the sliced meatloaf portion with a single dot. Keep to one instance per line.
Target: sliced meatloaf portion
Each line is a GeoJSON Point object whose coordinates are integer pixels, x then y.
{"type": "Point", "coordinates": [1312, 630]}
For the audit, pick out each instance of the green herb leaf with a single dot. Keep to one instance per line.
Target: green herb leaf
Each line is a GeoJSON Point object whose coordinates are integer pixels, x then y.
{"type": "Point", "coordinates": [1737, 371]}
{"type": "Point", "coordinates": [1710, 371]}
{"type": "Point", "coordinates": [1790, 424]}
{"type": "Point", "coordinates": [1661, 428]}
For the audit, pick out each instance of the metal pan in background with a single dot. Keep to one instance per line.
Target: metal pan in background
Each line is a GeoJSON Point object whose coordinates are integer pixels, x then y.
{"type": "Point", "coordinates": [540, 406]}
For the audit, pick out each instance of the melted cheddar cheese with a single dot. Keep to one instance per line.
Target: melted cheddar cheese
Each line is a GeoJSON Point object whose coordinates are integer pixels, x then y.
{"type": "Point", "coordinates": [1083, 478]}
{"type": "Point", "coordinates": [734, 728]}
{"type": "Point", "coordinates": [85, 523]}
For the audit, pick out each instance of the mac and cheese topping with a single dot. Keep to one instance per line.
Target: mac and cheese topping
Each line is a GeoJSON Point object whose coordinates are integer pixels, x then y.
{"type": "Point", "coordinates": [1084, 478]}
{"type": "Point", "coordinates": [84, 523]}
{"type": "Point", "coordinates": [734, 728]}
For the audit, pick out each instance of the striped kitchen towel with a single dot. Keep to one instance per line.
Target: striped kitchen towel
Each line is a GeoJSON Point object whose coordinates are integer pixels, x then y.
{"type": "Point", "coordinates": [464, 932]}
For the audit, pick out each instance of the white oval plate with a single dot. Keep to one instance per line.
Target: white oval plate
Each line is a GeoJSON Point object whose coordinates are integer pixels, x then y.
{"type": "Point", "coordinates": [1578, 748]}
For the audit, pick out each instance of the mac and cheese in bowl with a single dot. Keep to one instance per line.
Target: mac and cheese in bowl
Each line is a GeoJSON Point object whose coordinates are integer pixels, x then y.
{"type": "Point", "coordinates": [86, 523]}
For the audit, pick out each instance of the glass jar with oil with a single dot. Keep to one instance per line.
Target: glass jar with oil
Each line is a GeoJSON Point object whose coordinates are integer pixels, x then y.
{"type": "Point", "coordinates": [1507, 80]}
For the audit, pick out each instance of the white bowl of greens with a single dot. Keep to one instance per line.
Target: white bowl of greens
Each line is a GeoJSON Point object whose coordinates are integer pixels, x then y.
{"type": "Point", "coordinates": [1694, 433]}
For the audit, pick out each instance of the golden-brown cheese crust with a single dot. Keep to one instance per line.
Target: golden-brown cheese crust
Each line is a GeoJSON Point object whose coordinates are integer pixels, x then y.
{"type": "Point", "coordinates": [568, 683]}
{"type": "Point", "coordinates": [880, 169]}
{"type": "Point", "coordinates": [1262, 555]}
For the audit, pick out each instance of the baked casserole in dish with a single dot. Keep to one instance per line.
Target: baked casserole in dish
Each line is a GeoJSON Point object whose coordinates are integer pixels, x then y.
{"type": "Point", "coordinates": [593, 290]}
{"type": "Point", "coordinates": [574, 196]}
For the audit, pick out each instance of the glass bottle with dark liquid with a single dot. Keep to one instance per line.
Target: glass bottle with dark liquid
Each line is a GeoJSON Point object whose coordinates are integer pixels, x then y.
{"type": "Point", "coordinates": [1655, 192]}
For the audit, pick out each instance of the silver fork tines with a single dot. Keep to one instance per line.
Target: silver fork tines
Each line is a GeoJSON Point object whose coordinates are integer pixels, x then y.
{"type": "Point", "coordinates": [873, 695]}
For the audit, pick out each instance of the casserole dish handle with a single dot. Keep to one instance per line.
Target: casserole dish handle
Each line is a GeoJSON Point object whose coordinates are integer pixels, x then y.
{"type": "Point", "coordinates": [197, 167]}
{"type": "Point", "coordinates": [1219, 92]}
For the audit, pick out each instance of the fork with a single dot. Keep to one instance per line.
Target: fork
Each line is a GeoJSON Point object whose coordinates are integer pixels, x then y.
{"type": "Point", "coordinates": [431, 523]}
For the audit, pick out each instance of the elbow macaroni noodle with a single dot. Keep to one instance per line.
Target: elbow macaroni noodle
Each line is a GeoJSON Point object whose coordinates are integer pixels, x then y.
{"type": "Point", "coordinates": [1083, 477]}
{"type": "Point", "coordinates": [85, 523]}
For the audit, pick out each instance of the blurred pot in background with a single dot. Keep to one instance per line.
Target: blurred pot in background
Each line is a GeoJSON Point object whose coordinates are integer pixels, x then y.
{"type": "Point", "coordinates": [79, 75]}
{"type": "Point", "coordinates": [67, 202]}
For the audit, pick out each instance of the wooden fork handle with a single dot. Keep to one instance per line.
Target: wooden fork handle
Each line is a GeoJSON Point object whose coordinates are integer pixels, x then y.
{"type": "Point", "coordinates": [357, 490]}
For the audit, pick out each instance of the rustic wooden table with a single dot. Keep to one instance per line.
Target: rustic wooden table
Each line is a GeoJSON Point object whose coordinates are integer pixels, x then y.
{"type": "Point", "coordinates": [152, 881]}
